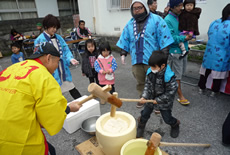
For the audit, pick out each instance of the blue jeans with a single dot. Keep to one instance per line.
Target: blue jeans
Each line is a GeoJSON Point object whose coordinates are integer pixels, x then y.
{"type": "Point", "coordinates": [166, 115]}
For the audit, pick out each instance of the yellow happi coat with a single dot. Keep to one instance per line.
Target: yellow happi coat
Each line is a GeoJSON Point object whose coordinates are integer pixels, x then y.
{"type": "Point", "coordinates": [29, 98]}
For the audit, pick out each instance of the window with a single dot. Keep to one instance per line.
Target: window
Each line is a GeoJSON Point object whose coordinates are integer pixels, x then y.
{"type": "Point", "coordinates": [118, 4]}
{"type": "Point", "coordinates": [125, 4]}
{"type": "Point", "coordinates": [67, 7]}
{"type": "Point", "coordinates": [17, 9]}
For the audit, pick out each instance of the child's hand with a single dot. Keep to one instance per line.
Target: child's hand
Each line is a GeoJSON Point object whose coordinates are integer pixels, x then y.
{"type": "Point", "coordinates": [74, 62]}
{"type": "Point", "coordinates": [142, 100]}
{"type": "Point", "coordinates": [83, 74]}
{"type": "Point", "coordinates": [107, 72]}
{"type": "Point", "coordinates": [103, 72]}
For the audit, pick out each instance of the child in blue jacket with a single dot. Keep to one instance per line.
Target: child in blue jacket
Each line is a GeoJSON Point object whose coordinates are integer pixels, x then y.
{"type": "Point", "coordinates": [17, 56]}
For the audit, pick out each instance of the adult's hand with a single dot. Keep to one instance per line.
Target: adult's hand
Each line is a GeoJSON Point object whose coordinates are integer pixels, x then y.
{"type": "Point", "coordinates": [74, 62]}
{"type": "Point", "coordinates": [74, 106]}
{"type": "Point", "coordinates": [123, 59]}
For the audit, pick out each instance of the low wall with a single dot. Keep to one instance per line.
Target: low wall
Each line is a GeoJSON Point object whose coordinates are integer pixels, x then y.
{"type": "Point", "coordinates": [26, 26]}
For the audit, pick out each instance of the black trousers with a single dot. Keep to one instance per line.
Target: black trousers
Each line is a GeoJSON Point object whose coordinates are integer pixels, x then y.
{"type": "Point", "coordinates": [112, 90]}
{"type": "Point", "coordinates": [203, 80]}
{"type": "Point", "coordinates": [94, 79]}
{"type": "Point", "coordinates": [166, 115]}
{"type": "Point", "coordinates": [226, 130]}
{"type": "Point", "coordinates": [75, 93]}
{"type": "Point", "coordinates": [52, 150]}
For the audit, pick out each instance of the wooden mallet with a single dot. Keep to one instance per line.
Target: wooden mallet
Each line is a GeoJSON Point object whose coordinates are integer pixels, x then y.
{"type": "Point", "coordinates": [97, 91]}
{"type": "Point", "coordinates": [113, 107]}
{"type": "Point", "coordinates": [155, 139]}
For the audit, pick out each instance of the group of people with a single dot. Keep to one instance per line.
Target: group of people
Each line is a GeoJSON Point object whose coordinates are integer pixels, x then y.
{"type": "Point", "coordinates": [162, 45]}
{"type": "Point", "coordinates": [32, 98]}
{"type": "Point", "coordinates": [36, 83]}
{"type": "Point", "coordinates": [17, 39]}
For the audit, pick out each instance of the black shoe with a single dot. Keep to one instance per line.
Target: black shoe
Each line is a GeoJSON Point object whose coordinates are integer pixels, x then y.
{"type": "Point", "coordinates": [182, 56]}
{"type": "Point", "coordinates": [139, 105]}
{"type": "Point", "coordinates": [175, 130]}
{"type": "Point", "coordinates": [224, 144]}
{"type": "Point", "coordinates": [140, 129]}
{"type": "Point", "coordinates": [140, 132]}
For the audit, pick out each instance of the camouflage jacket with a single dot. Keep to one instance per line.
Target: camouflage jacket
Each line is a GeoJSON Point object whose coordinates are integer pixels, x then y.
{"type": "Point", "coordinates": [161, 87]}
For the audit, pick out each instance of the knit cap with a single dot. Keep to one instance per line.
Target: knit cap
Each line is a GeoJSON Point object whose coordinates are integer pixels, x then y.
{"type": "Point", "coordinates": [39, 24]}
{"type": "Point", "coordinates": [174, 3]}
{"type": "Point", "coordinates": [189, 1]}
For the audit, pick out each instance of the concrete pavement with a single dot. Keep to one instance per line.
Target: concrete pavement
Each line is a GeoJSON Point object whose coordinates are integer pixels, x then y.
{"type": "Point", "coordinates": [201, 121]}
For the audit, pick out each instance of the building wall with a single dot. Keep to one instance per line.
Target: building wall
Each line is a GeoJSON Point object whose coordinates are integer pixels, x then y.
{"type": "Point", "coordinates": [108, 22]}
{"type": "Point", "coordinates": [46, 6]}
{"type": "Point", "coordinates": [100, 20]}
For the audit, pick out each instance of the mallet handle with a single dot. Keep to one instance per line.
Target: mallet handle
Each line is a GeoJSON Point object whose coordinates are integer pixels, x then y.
{"type": "Point", "coordinates": [133, 100]}
{"type": "Point", "coordinates": [86, 99]}
{"type": "Point", "coordinates": [184, 144]}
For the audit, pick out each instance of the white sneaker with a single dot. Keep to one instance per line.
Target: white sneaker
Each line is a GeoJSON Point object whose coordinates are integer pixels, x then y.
{"type": "Point", "coordinates": [201, 91]}
{"type": "Point", "coordinates": [213, 94]}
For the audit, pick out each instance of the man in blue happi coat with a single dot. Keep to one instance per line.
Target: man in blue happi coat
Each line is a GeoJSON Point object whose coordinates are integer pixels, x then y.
{"type": "Point", "coordinates": [144, 33]}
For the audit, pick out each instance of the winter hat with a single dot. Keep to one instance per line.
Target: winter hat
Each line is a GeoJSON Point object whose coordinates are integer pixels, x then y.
{"type": "Point", "coordinates": [39, 24]}
{"type": "Point", "coordinates": [189, 1]}
{"type": "Point", "coordinates": [142, 2]}
{"type": "Point", "coordinates": [174, 3]}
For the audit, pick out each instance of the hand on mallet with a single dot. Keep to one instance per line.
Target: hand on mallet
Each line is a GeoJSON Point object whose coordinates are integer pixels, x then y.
{"type": "Point", "coordinates": [74, 107]}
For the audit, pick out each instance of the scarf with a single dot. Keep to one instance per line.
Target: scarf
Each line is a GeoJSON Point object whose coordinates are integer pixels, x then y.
{"type": "Point", "coordinates": [140, 17]}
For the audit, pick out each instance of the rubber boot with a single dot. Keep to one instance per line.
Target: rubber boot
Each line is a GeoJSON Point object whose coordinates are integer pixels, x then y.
{"type": "Point", "coordinates": [140, 129]}
{"type": "Point", "coordinates": [175, 130]}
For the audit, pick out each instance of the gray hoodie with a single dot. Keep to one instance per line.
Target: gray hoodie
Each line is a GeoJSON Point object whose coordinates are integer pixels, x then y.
{"type": "Point", "coordinates": [142, 2]}
{"type": "Point", "coordinates": [141, 23]}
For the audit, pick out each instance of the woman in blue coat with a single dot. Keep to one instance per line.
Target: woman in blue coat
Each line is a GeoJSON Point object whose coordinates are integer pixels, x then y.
{"type": "Point", "coordinates": [216, 60]}
{"type": "Point", "coordinates": [62, 74]}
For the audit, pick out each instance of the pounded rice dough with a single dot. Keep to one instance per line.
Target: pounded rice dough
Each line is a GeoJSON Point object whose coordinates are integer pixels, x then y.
{"type": "Point", "coordinates": [115, 125]}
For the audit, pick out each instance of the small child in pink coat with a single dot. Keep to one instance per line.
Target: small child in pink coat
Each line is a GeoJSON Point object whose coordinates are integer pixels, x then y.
{"type": "Point", "coordinates": [106, 65]}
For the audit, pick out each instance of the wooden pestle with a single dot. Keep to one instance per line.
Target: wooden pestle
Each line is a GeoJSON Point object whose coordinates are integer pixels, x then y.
{"type": "Point", "coordinates": [105, 89]}
{"type": "Point", "coordinates": [153, 143]}
{"type": "Point", "coordinates": [113, 107]}
{"type": "Point", "coordinates": [97, 91]}
{"type": "Point", "coordinates": [155, 139]}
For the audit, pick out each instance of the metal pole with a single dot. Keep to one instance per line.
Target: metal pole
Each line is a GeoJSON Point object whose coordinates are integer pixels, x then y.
{"type": "Point", "coordinates": [71, 6]}
{"type": "Point", "coordinates": [74, 6]}
{"type": "Point", "coordinates": [20, 14]}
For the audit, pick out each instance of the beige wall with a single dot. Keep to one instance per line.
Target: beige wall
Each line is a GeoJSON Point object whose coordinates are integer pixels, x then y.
{"type": "Point", "coordinates": [106, 21]}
